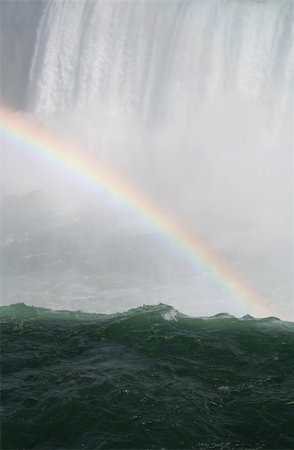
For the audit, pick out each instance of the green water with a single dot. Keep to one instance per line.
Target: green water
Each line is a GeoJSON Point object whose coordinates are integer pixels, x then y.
{"type": "Point", "coordinates": [146, 379]}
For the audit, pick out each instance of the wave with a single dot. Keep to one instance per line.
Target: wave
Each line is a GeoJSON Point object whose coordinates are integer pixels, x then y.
{"type": "Point", "coordinates": [21, 311]}
{"type": "Point", "coordinates": [147, 378]}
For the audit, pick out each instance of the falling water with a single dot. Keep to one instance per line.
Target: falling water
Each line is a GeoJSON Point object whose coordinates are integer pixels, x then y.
{"type": "Point", "coordinates": [150, 58]}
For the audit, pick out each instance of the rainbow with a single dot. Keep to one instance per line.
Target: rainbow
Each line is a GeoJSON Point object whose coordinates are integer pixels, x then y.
{"type": "Point", "coordinates": [26, 134]}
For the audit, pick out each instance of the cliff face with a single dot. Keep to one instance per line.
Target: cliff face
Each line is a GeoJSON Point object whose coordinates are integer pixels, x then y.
{"type": "Point", "coordinates": [18, 29]}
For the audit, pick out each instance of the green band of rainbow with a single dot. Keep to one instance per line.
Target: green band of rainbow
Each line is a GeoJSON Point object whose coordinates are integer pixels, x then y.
{"type": "Point", "coordinates": [25, 133]}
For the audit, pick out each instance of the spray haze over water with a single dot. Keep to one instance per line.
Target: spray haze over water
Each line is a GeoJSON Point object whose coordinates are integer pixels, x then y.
{"type": "Point", "coordinates": [192, 102]}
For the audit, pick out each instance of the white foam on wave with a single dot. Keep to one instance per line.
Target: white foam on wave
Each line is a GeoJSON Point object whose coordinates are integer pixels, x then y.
{"type": "Point", "coordinates": [170, 315]}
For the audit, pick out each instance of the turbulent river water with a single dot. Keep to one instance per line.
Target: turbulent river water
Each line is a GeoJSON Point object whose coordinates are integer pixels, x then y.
{"type": "Point", "coordinates": [149, 378]}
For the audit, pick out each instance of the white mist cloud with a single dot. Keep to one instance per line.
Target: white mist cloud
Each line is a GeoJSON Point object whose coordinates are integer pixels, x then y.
{"type": "Point", "coordinates": [193, 112]}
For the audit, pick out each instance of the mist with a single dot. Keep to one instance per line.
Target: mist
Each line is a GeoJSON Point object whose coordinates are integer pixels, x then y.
{"type": "Point", "coordinates": [199, 122]}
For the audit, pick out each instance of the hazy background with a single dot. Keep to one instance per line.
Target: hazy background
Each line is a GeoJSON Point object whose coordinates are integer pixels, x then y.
{"type": "Point", "coordinates": [190, 100]}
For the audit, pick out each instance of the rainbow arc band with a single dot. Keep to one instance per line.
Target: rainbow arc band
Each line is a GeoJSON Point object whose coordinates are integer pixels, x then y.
{"type": "Point", "coordinates": [26, 134]}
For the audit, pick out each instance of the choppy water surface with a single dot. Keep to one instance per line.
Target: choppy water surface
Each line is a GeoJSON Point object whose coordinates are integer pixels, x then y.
{"type": "Point", "coordinates": [147, 378]}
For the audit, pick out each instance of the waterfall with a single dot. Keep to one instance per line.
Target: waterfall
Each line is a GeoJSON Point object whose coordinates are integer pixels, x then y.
{"type": "Point", "coordinates": [149, 58]}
